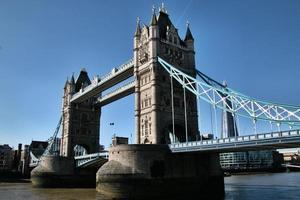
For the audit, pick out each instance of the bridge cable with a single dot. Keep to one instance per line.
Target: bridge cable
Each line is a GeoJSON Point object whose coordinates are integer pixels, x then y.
{"type": "Point", "coordinates": [215, 113]}
{"type": "Point", "coordinates": [234, 116]}
{"type": "Point", "coordinates": [211, 120]}
{"type": "Point", "coordinates": [185, 115]}
{"type": "Point", "coordinates": [238, 123]}
{"type": "Point", "coordinates": [172, 102]}
{"type": "Point", "coordinates": [271, 124]}
{"type": "Point", "coordinates": [279, 126]}
{"type": "Point", "coordinates": [199, 111]}
{"type": "Point", "coordinates": [255, 128]}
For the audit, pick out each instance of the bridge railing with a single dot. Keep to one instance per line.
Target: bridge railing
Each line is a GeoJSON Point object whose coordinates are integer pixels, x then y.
{"type": "Point", "coordinates": [114, 72]}
{"type": "Point", "coordinates": [238, 139]}
{"type": "Point", "coordinates": [116, 91]}
{"type": "Point", "coordinates": [93, 155]}
{"type": "Point", "coordinates": [81, 160]}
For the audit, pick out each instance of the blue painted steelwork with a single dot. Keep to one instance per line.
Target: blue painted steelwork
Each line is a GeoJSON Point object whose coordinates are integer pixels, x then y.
{"type": "Point", "coordinates": [50, 148]}
{"type": "Point", "coordinates": [275, 140]}
{"type": "Point", "coordinates": [242, 105]}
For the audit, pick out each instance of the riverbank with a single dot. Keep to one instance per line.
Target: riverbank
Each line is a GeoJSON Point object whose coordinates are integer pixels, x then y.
{"type": "Point", "coordinates": [254, 171]}
{"type": "Point", "coordinates": [13, 177]}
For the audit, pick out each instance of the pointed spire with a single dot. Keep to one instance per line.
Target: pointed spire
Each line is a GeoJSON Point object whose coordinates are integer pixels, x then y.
{"type": "Point", "coordinates": [188, 35]}
{"type": "Point", "coordinates": [72, 80]}
{"type": "Point", "coordinates": [138, 28]}
{"type": "Point", "coordinates": [153, 19]}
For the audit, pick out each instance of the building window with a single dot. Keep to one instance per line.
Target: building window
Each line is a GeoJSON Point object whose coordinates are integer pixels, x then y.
{"type": "Point", "coordinates": [146, 127]}
{"type": "Point", "coordinates": [146, 102]}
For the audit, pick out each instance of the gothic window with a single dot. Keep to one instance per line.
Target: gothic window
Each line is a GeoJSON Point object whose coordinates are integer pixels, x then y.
{"type": "Point", "coordinates": [142, 130]}
{"type": "Point", "coordinates": [146, 127]}
{"type": "Point", "coordinates": [170, 38]}
{"type": "Point", "coordinates": [166, 50]}
{"type": "Point", "coordinates": [146, 102]}
{"type": "Point", "coordinates": [149, 128]}
{"type": "Point", "coordinates": [143, 54]}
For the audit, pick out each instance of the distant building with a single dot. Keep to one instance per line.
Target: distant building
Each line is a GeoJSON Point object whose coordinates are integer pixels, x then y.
{"type": "Point", "coordinates": [6, 157]}
{"type": "Point", "coordinates": [25, 160]}
{"type": "Point", "coordinates": [251, 160]}
{"type": "Point", "coordinates": [119, 140]}
{"type": "Point", "coordinates": [17, 158]}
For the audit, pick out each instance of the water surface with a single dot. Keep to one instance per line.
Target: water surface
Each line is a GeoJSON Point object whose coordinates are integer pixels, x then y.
{"type": "Point", "coordinates": [244, 187]}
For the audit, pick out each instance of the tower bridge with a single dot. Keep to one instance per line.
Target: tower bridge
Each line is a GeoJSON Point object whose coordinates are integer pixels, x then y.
{"type": "Point", "coordinates": [169, 148]}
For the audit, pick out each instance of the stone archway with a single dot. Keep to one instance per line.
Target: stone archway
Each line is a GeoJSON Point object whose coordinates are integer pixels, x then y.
{"type": "Point", "coordinates": [80, 150]}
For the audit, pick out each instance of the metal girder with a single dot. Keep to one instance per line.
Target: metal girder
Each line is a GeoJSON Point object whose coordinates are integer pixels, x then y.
{"type": "Point", "coordinates": [49, 149]}
{"type": "Point", "coordinates": [242, 105]}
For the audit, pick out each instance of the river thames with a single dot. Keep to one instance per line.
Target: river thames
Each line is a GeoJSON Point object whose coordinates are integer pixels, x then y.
{"type": "Point", "coordinates": [270, 186]}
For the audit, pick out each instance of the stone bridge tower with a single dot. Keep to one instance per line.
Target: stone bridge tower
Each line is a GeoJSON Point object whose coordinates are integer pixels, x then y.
{"type": "Point", "coordinates": [153, 107]}
{"type": "Point", "coordinates": [81, 121]}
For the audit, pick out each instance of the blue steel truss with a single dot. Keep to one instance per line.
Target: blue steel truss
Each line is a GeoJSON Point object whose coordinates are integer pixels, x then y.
{"type": "Point", "coordinates": [242, 105]}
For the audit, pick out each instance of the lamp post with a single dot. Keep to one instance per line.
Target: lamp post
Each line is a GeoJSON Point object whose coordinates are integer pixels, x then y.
{"type": "Point", "coordinates": [113, 134]}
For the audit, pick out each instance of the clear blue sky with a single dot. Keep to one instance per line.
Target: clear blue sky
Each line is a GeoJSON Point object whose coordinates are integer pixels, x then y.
{"type": "Point", "coordinates": [254, 45]}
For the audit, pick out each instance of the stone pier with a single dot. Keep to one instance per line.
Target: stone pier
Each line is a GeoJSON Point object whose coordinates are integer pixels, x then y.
{"type": "Point", "coordinates": [152, 171]}
{"type": "Point", "coordinates": [57, 171]}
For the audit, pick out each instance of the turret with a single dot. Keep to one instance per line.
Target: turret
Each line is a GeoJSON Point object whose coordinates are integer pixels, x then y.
{"type": "Point", "coordinates": [69, 90]}
{"type": "Point", "coordinates": [137, 34]}
{"type": "Point", "coordinates": [189, 39]}
{"type": "Point", "coordinates": [153, 35]}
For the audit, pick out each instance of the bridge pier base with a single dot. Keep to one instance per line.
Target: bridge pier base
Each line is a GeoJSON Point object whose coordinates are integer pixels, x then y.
{"type": "Point", "coordinates": [56, 171]}
{"type": "Point", "coordinates": [152, 171]}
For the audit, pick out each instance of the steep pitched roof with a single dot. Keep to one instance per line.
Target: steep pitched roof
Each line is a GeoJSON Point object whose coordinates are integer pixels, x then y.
{"type": "Point", "coordinates": [83, 78]}
{"type": "Point", "coordinates": [162, 22]}
{"type": "Point", "coordinates": [153, 20]}
{"type": "Point", "coordinates": [188, 35]}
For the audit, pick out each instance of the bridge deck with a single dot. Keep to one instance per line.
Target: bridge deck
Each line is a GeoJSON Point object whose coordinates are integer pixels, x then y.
{"type": "Point", "coordinates": [117, 94]}
{"type": "Point", "coordinates": [95, 88]}
{"type": "Point", "coordinates": [275, 140]}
